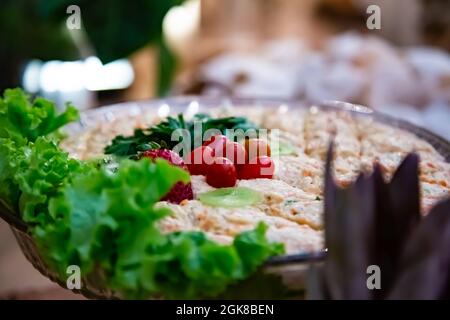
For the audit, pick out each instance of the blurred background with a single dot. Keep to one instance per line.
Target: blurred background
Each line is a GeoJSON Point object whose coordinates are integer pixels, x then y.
{"type": "Point", "coordinates": [310, 50]}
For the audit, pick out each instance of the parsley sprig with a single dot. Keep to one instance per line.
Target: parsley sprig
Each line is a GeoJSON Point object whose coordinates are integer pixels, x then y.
{"type": "Point", "coordinates": [160, 135]}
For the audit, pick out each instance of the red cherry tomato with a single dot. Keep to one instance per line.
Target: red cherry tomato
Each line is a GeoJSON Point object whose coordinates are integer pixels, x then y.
{"type": "Point", "coordinates": [166, 154]}
{"type": "Point", "coordinates": [259, 167]}
{"type": "Point", "coordinates": [221, 173]}
{"type": "Point", "coordinates": [217, 143]}
{"type": "Point", "coordinates": [198, 160]}
{"type": "Point", "coordinates": [235, 152]}
{"type": "Point", "coordinates": [256, 148]}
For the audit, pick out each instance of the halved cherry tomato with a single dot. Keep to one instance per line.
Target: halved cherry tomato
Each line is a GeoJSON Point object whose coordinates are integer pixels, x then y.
{"type": "Point", "coordinates": [221, 173]}
{"type": "Point", "coordinates": [256, 148]}
{"type": "Point", "coordinates": [259, 167]}
{"type": "Point", "coordinates": [217, 143]}
{"type": "Point", "coordinates": [198, 160]}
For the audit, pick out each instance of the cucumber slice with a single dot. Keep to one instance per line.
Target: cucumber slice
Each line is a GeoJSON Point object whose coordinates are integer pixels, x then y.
{"type": "Point", "coordinates": [284, 149]}
{"type": "Point", "coordinates": [234, 197]}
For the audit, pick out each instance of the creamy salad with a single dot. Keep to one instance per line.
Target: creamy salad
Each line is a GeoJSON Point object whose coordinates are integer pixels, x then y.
{"type": "Point", "coordinates": [289, 199]}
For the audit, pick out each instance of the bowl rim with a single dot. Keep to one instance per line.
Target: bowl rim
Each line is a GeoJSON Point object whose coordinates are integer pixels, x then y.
{"type": "Point", "coordinates": [438, 142]}
{"type": "Point", "coordinates": [179, 103]}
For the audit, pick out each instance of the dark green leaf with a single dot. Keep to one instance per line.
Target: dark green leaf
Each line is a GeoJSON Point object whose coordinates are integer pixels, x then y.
{"type": "Point", "coordinates": [397, 214]}
{"type": "Point", "coordinates": [424, 271]}
{"type": "Point", "coordinates": [377, 223]}
{"type": "Point", "coordinates": [348, 213]}
{"type": "Point", "coordinates": [167, 64]}
{"type": "Point", "coordinates": [115, 28]}
{"type": "Point", "coordinates": [161, 134]}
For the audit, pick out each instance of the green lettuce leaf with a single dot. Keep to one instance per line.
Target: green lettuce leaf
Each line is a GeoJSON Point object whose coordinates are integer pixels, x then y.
{"type": "Point", "coordinates": [43, 169]}
{"type": "Point", "coordinates": [31, 164]}
{"type": "Point", "coordinates": [24, 119]}
{"type": "Point", "coordinates": [9, 190]}
{"type": "Point", "coordinates": [82, 213]}
{"type": "Point", "coordinates": [110, 220]}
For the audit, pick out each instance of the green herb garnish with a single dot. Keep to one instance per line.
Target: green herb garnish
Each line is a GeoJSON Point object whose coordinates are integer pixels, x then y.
{"type": "Point", "coordinates": [160, 135]}
{"type": "Point", "coordinates": [290, 202]}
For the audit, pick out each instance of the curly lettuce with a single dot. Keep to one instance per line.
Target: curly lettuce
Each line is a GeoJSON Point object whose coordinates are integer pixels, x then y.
{"type": "Point", "coordinates": [26, 120]}
{"type": "Point", "coordinates": [84, 214]}
{"type": "Point", "coordinates": [31, 164]}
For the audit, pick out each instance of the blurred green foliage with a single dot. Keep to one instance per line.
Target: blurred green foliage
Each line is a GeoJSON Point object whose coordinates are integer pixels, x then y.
{"type": "Point", "coordinates": [24, 35]}
{"type": "Point", "coordinates": [115, 29]}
